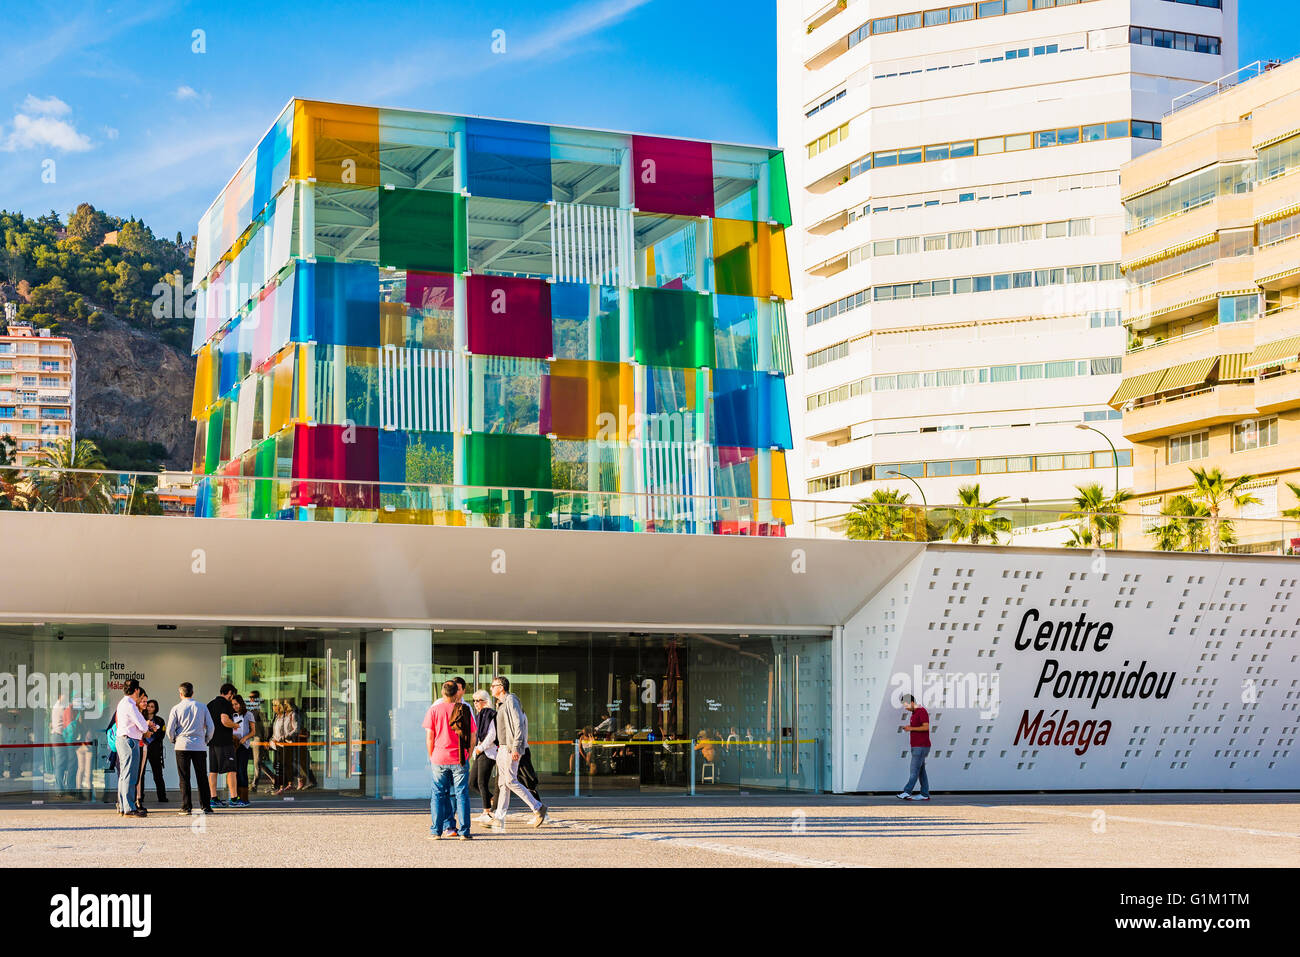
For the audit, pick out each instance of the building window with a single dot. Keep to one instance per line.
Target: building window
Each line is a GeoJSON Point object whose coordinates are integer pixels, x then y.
{"type": "Point", "coordinates": [829, 354]}
{"type": "Point", "coordinates": [1188, 448]}
{"type": "Point", "coordinates": [1171, 40]}
{"type": "Point", "coordinates": [1266, 507]}
{"type": "Point", "coordinates": [1254, 434]}
{"type": "Point", "coordinates": [1238, 308]}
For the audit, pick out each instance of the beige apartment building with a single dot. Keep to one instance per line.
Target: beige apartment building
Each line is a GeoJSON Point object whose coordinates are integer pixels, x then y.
{"type": "Point", "coordinates": [1211, 254]}
{"type": "Point", "coordinates": [38, 397]}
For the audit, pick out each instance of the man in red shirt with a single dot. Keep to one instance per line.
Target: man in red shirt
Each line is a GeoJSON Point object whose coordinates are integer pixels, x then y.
{"type": "Point", "coordinates": [919, 727]}
{"type": "Point", "coordinates": [449, 750]}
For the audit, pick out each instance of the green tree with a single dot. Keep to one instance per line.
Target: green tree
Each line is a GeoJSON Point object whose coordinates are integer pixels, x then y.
{"type": "Point", "coordinates": [1211, 490]}
{"type": "Point", "coordinates": [88, 224]}
{"type": "Point", "coordinates": [53, 486]}
{"type": "Point", "coordinates": [1097, 514]}
{"type": "Point", "coordinates": [884, 515]}
{"type": "Point", "coordinates": [976, 520]}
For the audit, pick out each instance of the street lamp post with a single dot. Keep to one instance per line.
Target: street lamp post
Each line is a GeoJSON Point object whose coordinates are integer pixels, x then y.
{"type": "Point", "coordinates": [925, 514]}
{"type": "Point", "coordinates": [1114, 457]}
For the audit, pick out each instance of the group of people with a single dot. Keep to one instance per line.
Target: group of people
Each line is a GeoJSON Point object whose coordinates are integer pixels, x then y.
{"type": "Point", "coordinates": [220, 739]}
{"type": "Point", "coordinates": [466, 745]}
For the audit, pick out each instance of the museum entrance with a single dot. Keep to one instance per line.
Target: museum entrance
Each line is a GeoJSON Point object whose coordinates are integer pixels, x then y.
{"type": "Point", "coordinates": [673, 712]}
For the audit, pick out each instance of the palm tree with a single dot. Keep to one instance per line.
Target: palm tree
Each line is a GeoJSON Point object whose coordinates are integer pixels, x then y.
{"type": "Point", "coordinates": [884, 515]}
{"type": "Point", "coordinates": [975, 520]}
{"type": "Point", "coordinates": [1097, 513]}
{"type": "Point", "coordinates": [54, 487]}
{"type": "Point", "coordinates": [1080, 537]}
{"type": "Point", "coordinates": [1211, 489]}
{"type": "Point", "coordinates": [1187, 527]}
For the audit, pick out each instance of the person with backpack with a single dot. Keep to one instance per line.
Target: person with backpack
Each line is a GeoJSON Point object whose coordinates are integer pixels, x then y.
{"type": "Point", "coordinates": [449, 728]}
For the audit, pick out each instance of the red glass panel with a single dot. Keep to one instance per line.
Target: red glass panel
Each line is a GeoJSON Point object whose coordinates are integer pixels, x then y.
{"type": "Point", "coordinates": [672, 176]}
{"type": "Point", "coordinates": [509, 317]}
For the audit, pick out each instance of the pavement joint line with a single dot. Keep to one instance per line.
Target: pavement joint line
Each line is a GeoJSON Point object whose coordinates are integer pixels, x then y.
{"type": "Point", "coordinates": [1124, 819]}
{"type": "Point", "coordinates": [777, 857]}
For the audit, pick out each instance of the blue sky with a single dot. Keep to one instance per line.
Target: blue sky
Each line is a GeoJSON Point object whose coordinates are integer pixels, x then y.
{"type": "Point", "coordinates": [138, 123]}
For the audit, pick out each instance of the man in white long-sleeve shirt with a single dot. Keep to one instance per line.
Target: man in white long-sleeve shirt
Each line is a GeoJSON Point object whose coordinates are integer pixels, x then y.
{"type": "Point", "coordinates": [131, 727]}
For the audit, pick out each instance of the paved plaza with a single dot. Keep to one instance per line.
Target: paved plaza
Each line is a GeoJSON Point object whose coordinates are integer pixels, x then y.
{"type": "Point", "coordinates": [1093, 830]}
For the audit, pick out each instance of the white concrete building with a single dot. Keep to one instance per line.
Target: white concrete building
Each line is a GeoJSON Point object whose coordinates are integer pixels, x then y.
{"type": "Point", "coordinates": [957, 224]}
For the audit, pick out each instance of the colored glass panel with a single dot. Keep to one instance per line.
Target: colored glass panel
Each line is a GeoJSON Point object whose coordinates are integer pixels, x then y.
{"type": "Point", "coordinates": [422, 229]}
{"type": "Point", "coordinates": [233, 364]}
{"type": "Point", "coordinates": [205, 382]}
{"type": "Point", "coordinates": [735, 330]}
{"type": "Point", "coordinates": [411, 462]}
{"type": "Point", "coordinates": [337, 304]}
{"type": "Point", "coordinates": [423, 317]}
{"type": "Point", "coordinates": [282, 410]}
{"type": "Point", "coordinates": [779, 191]}
{"type": "Point", "coordinates": [508, 160]}
{"type": "Point", "coordinates": [673, 328]}
{"type": "Point", "coordinates": [337, 461]}
{"type": "Point", "coordinates": [749, 259]}
{"type": "Point", "coordinates": [508, 461]}
{"type": "Point", "coordinates": [216, 423]}
{"type": "Point", "coordinates": [264, 492]}
{"type": "Point", "coordinates": [587, 400]}
{"type": "Point", "coordinates": [584, 322]}
{"type": "Point", "coordinates": [333, 143]}
{"type": "Point", "coordinates": [672, 176]}
{"type": "Point", "coordinates": [749, 409]}
{"type": "Point", "coordinates": [509, 316]}
{"type": "Point", "coordinates": [272, 163]}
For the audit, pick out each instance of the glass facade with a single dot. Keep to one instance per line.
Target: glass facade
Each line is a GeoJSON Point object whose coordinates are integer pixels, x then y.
{"type": "Point", "coordinates": [618, 710]}
{"type": "Point", "coordinates": [511, 294]}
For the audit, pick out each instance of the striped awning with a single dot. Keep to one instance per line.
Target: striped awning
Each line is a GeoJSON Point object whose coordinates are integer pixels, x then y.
{"type": "Point", "coordinates": [1233, 366]}
{"type": "Point", "coordinates": [1188, 373]}
{"type": "Point", "coordinates": [1277, 214]}
{"type": "Point", "coordinates": [1273, 354]}
{"type": "Point", "coordinates": [1137, 387]}
{"type": "Point", "coordinates": [1170, 251]}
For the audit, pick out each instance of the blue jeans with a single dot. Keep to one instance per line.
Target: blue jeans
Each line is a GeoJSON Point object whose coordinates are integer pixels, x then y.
{"type": "Point", "coordinates": [128, 771]}
{"type": "Point", "coordinates": [918, 770]}
{"type": "Point", "coordinates": [443, 803]}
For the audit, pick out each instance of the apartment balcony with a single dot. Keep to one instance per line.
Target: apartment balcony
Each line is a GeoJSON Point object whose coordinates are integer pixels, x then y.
{"type": "Point", "coordinates": [1278, 392]}
{"type": "Point", "coordinates": [1184, 295]}
{"type": "Point", "coordinates": [1225, 212]}
{"type": "Point", "coordinates": [1211, 405]}
{"type": "Point", "coordinates": [1278, 266]}
{"type": "Point", "coordinates": [1220, 339]}
{"type": "Point", "coordinates": [1275, 194]}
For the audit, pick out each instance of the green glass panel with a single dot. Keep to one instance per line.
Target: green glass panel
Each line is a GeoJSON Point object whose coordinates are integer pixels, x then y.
{"type": "Point", "coordinates": [673, 328]}
{"type": "Point", "coordinates": [216, 421]}
{"type": "Point", "coordinates": [509, 461]}
{"type": "Point", "coordinates": [422, 229]}
{"type": "Point", "coordinates": [779, 191]}
{"type": "Point", "coordinates": [264, 492]}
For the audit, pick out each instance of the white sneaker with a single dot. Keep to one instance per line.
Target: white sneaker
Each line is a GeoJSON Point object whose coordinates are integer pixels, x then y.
{"type": "Point", "coordinates": [917, 797]}
{"type": "Point", "coordinates": [903, 795]}
{"type": "Point", "coordinates": [497, 825]}
{"type": "Point", "coordinates": [486, 819]}
{"type": "Point", "coordinates": [539, 816]}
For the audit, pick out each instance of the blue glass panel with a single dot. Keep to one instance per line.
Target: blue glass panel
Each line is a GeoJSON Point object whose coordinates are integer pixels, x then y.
{"type": "Point", "coordinates": [570, 300]}
{"type": "Point", "coordinates": [272, 161]}
{"type": "Point", "coordinates": [337, 304]}
{"type": "Point", "coordinates": [508, 160]}
{"type": "Point", "coordinates": [750, 409]}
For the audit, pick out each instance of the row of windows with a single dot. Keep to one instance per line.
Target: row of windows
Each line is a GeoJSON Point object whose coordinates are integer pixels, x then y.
{"type": "Point", "coordinates": [1172, 40]}
{"type": "Point", "coordinates": [964, 239]}
{"type": "Point", "coordinates": [1279, 159]}
{"type": "Point", "coordinates": [997, 282]}
{"type": "Point", "coordinates": [1230, 244]}
{"type": "Point", "coordinates": [1103, 415]}
{"type": "Point", "coordinates": [978, 375]}
{"type": "Point", "coordinates": [829, 354]}
{"type": "Point", "coordinates": [835, 98]}
{"type": "Point", "coordinates": [828, 140]}
{"type": "Point", "coordinates": [992, 191]}
{"type": "Point", "coordinates": [1216, 4]}
{"type": "Point", "coordinates": [1246, 436]}
{"type": "Point", "coordinates": [908, 67]}
{"type": "Point", "coordinates": [946, 468]}
{"type": "Point", "coordinates": [958, 14]}
{"type": "Point", "coordinates": [1041, 139]}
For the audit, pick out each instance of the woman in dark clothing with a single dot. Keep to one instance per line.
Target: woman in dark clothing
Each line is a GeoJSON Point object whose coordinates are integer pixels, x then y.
{"type": "Point", "coordinates": [153, 755]}
{"type": "Point", "coordinates": [485, 754]}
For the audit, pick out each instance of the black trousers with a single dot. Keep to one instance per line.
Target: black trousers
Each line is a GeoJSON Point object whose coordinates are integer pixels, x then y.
{"type": "Point", "coordinates": [480, 778]}
{"type": "Point", "coordinates": [527, 776]}
{"type": "Point", "coordinates": [153, 760]}
{"type": "Point", "coordinates": [198, 760]}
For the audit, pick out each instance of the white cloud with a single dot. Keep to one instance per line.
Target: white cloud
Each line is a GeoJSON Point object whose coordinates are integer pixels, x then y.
{"type": "Point", "coordinates": [184, 93]}
{"type": "Point", "coordinates": [37, 125]}
{"type": "Point", "coordinates": [50, 106]}
{"type": "Point", "coordinates": [110, 132]}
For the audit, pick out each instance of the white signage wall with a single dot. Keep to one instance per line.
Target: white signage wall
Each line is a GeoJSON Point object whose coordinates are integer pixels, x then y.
{"type": "Point", "coordinates": [1065, 671]}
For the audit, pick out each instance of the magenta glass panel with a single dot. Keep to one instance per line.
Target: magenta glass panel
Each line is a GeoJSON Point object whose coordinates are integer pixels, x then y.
{"type": "Point", "coordinates": [345, 454]}
{"type": "Point", "coordinates": [672, 176]}
{"type": "Point", "coordinates": [509, 317]}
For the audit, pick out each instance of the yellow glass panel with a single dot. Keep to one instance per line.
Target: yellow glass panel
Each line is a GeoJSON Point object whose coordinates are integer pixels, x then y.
{"type": "Point", "coordinates": [750, 259]}
{"type": "Point", "coordinates": [282, 393]}
{"type": "Point", "coordinates": [782, 511]}
{"type": "Point", "coordinates": [589, 400]}
{"type": "Point", "coordinates": [204, 383]}
{"type": "Point", "coordinates": [335, 144]}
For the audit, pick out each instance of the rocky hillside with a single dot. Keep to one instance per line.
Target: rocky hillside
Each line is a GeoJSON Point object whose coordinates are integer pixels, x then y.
{"type": "Point", "coordinates": [130, 385]}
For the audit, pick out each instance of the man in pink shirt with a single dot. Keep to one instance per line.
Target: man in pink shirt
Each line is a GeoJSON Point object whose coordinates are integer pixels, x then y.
{"type": "Point", "coordinates": [449, 730]}
{"type": "Point", "coordinates": [131, 726]}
